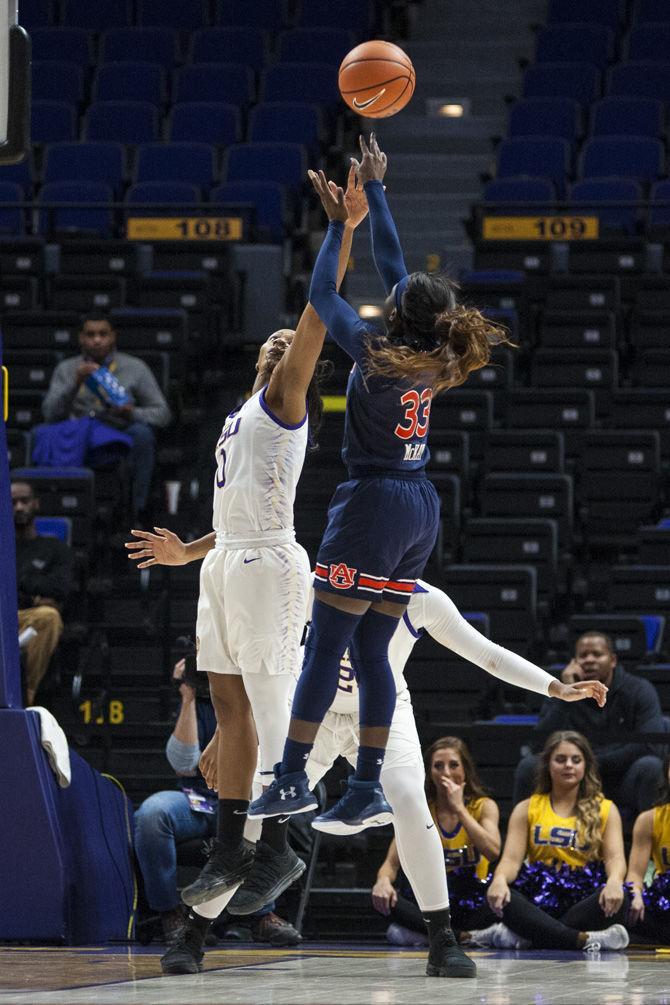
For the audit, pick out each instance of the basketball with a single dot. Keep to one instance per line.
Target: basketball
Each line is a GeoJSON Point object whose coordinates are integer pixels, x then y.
{"type": "Point", "coordinates": [376, 79]}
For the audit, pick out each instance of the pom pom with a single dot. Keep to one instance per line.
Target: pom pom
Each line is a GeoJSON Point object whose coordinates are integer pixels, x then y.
{"type": "Point", "coordinates": [557, 888]}
{"type": "Point", "coordinates": [656, 897]}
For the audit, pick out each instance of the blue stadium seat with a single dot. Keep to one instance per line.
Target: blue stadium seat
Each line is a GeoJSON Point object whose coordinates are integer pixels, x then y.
{"type": "Point", "coordinates": [101, 162]}
{"type": "Point", "coordinates": [537, 157]}
{"type": "Point", "coordinates": [130, 82]}
{"type": "Point", "coordinates": [193, 163]}
{"type": "Point", "coordinates": [230, 83]}
{"type": "Point", "coordinates": [178, 194]}
{"type": "Point", "coordinates": [20, 174]}
{"type": "Point", "coordinates": [123, 121]}
{"type": "Point", "coordinates": [52, 122]}
{"type": "Point", "coordinates": [141, 45]}
{"type": "Point", "coordinates": [12, 219]}
{"type": "Point", "coordinates": [269, 198]}
{"type": "Point", "coordinates": [284, 163]}
{"type": "Point", "coordinates": [581, 43]}
{"type": "Point", "coordinates": [230, 44]}
{"type": "Point", "coordinates": [69, 45]}
{"type": "Point", "coordinates": [652, 10]}
{"type": "Point", "coordinates": [641, 158]}
{"type": "Point", "coordinates": [579, 81]}
{"type": "Point", "coordinates": [616, 116]}
{"type": "Point", "coordinates": [520, 190]}
{"type": "Point", "coordinates": [606, 12]}
{"type": "Point", "coordinates": [268, 15]}
{"type": "Point", "coordinates": [323, 45]}
{"type": "Point", "coordinates": [174, 13]}
{"type": "Point", "coordinates": [558, 117]}
{"type": "Point", "coordinates": [204, 122]}
{"type": "Point", "coordinates": [659, 215]}
{"type": "Point", "coordinates": [54, 526]}
{"type": "Point", "coordinates": [96, 15]}
{"type": "Point", "coordinates": [64, 80]}
{"type": "Point", "coordinates": [357, 15]}
{"type": "Point", "coordinates": [615, 219]}
{"type": "Point", "coordinates": [641, 80]}
{"type": "Point", "coordinates": [69, 217]}
{"type": "Point", "coordinates": [313, 83]}
{"type": "Point", "coordinates": [36, 14]}
{"type": "Point", "coordinates": [286, 122]}
{"type": "Point", "coordinates": [650, 42]}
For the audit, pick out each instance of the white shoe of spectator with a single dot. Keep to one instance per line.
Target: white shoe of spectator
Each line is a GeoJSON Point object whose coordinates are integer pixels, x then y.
{"type": "Point", "coordinates": [610, 939]}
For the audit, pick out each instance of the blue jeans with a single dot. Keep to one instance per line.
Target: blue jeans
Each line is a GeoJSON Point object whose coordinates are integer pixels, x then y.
{"type": "Point", "coordinates": [141, 463]}
{"type": "Point", "coordinates": [163, 821]}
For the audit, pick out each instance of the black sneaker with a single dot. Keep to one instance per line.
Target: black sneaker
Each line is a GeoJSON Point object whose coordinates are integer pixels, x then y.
{"type": "Point", "coordinates": [273, 929]}
{"type": "Point", "coordinates": [186, 954]}
{"type": "Point", "coordinates": [224, 870]}
{"type": "Point", "coordinates": [447, 959]}
{"type": "Point", "coordinates": [271, 874]}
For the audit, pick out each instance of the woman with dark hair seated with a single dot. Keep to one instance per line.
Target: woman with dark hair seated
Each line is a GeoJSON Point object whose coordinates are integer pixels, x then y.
{"type": "Point", "coordinates": [559, 882]}
{"type": "Point", "coordinates": [467, 824]}
{"type": "Point", "coordinates": [649, 915]}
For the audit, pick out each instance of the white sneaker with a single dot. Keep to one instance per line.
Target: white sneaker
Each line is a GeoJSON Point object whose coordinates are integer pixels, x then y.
{"type": "Point", "coordinates": [498, 936]}
{"type": "Point", "coordinates": [610, 939]}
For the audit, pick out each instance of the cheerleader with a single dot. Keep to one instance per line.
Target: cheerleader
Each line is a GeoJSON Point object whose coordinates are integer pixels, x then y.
{"type": "Point", "coordinates": [559, 883]}
{"type": "Point", "coordinates": [649, 915]}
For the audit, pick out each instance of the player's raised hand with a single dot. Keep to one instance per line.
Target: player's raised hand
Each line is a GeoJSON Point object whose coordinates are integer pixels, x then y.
{"type": "Point", "coordinates": [331, 196]}
{"type": "Point", "coordinates": [372, 166]}
{"type": "Point", "coordinates": [161, 548]}
{"type": "Point", "coordinates": [581, 689]}
{"type": "Point", "coordinates": [354, 197]}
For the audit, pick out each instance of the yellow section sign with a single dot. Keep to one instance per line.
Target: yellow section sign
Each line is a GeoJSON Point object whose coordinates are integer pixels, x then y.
{"type": "Point", "coordinates": [184, 228]}
{"type": "Point", "coordinates": [540, 228]}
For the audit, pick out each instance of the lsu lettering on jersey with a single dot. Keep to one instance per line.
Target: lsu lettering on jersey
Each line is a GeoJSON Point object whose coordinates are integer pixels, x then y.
{"type": "Point", "coordinates": [459, 852]}
{"type": "Point", "coordinates": [385, 426]}
{"type": "Point", "coordinates": [660, 838]}
{"type": "Point", "coordinates": [554, 840]}
{"type": "Point", "coordinates": [258, 464]}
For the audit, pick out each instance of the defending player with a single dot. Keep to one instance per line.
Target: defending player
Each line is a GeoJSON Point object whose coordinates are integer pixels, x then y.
{"type": "Point", "coordinates": [383, 522]}
{"type": "Point", "coordinates": [254, 584]}
{"type": "Point", "coordinates": [419, 846]}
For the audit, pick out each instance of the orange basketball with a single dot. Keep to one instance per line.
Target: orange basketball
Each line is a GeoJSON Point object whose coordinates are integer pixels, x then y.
{"type": "Point", "coordinates": [376, 79]}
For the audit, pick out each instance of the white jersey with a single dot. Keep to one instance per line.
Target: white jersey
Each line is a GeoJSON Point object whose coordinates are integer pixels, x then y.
{"type": "Point", "coordinates": [431, 610]}
{"type": "Point", "coordinates": [258, 463]}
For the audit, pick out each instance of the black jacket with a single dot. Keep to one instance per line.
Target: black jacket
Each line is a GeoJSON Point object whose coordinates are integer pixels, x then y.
{"type": "Point", "coordinates": [632, 707]}
{"type": "Point", "coordinates": [44, 569]}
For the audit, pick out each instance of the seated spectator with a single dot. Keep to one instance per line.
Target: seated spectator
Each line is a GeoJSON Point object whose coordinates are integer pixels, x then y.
{"type": "Point", "coordinates": [630, 770]}
{"type": "Point", "coordinates": [649, 918]}
{"type": "Point", "coordinates": [44, 577]}
{"type": "Point", "coordinates": [115, 388]}
{"type": "Point", "coordinates": [467, 822]}
{"type": "Point", "coordinates": [167, 818]}
{"type": "Point", "coordinates": [559, 882]}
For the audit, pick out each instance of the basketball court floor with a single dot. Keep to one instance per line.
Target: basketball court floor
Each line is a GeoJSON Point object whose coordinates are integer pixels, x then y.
{"type": "Point", "coordinates": [319, 974]}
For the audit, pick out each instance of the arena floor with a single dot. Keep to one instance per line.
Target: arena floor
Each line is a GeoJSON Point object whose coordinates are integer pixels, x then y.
{"type": "Point", "coordinates": [325, 974]}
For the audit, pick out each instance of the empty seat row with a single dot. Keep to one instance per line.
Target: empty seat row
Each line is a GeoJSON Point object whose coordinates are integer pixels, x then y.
{"type": "Point", "coordinates": [584, 83]}
{"type": "Point", "coordinates": [612, 116]}
{"type": "Point", "coordinates": [595, 44]}
{"type": "Point", "coordinates": [611, 13]}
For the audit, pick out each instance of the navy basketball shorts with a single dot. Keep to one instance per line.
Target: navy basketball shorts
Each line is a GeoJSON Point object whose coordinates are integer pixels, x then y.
{"type": "Point", "coordinates": [380, 534]}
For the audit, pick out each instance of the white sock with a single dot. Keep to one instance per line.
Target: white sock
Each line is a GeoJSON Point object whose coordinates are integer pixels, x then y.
{"type": "Point", "coordinates": [419, 846]}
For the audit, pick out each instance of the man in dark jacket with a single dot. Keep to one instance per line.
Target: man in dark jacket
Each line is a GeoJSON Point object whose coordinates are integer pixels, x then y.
{"type": "Point", "coordinates": [44, 578]}
{"type": "Point", "coordinates": [630, 770]}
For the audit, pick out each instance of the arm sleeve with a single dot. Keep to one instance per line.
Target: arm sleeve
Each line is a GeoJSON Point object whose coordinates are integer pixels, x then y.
{"type": "Point", "coordinates": [57, 403]}
{"type": "Point", "coordinates": [341, 320]}
{"type": "Point", "coordinates": [448, 627]}
{"type": "Point", "coordinates": [151, 406]}
{"type": "Point", "coordinates": [386, 249]}
{"type": "Point", "coordinates": [183, 757]}
{"type": "Point", "coordinates": [647, 719]}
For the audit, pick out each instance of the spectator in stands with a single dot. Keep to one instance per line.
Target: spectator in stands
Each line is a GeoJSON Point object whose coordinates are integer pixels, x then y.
{"type": "Point", "coordinates": [167, 818]}
{"type": "Point", "coordinates": [128, 398]}
{"type": "Point", "coordinates": [559, 882]}
{"type": "Point", "coordinates": [467, 823]}
{"type": "Point", "coordinates": [648, 917]}
{"type": "Point", "coordinates": [44, 578]}
{"type": "Point", "coordinates": [630, 770]}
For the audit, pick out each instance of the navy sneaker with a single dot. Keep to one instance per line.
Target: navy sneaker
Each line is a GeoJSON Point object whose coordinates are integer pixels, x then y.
{"type": "Point", "coordinates": [287, 795]}
{"type": "Point", "coordinates": [362, 805]}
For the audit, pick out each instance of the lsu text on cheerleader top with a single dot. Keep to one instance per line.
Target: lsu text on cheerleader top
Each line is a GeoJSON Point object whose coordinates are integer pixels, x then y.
{"type": "Point", "coordinates": [459, 851]}
{"type": "Point", "coordinates": [554, 840]}
{"type": "Point", "coordinates": [660, 838]}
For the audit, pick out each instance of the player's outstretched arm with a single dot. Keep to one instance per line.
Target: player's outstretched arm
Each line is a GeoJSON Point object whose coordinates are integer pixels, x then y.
{"type": "Point", "coordinates": [386, 249]}
{"type": "Point", "coordinates": [291, 378]}
{"type": "Point", "coordinates": [165, 548]}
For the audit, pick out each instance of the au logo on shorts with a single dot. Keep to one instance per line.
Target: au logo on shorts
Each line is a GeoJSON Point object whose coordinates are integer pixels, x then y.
{"type": "Point", "coordinates": [341, 576]}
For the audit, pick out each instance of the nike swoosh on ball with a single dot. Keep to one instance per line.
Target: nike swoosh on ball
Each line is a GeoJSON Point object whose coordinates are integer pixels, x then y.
{"type": "Point", "coordinates": [370, 101]}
